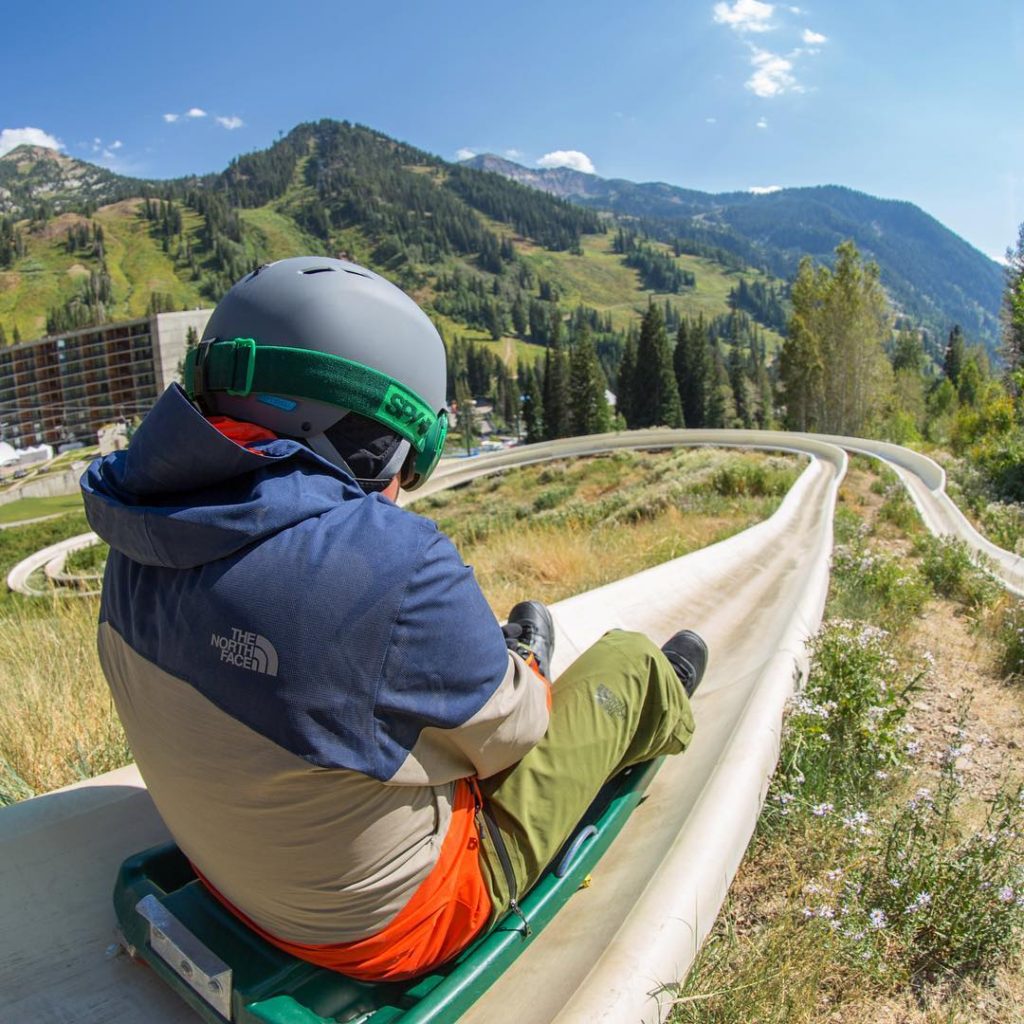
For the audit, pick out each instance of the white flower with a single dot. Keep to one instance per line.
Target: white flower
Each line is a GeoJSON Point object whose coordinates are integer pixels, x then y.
{"type": "Point", "coordinates": [1006, 894]}
{"type": "Point", "coordinates": [881, 774]}
{"type": "Point", "coordinates": [821, 810]}
{"type": "Point", "coordinates": [878, 919]}
{"type": "Point", "coordinates": [920, 901]}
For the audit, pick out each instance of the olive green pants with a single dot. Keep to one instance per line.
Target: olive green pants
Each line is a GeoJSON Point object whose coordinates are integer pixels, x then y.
{"type": "Point", "coordinates": [619, 704]}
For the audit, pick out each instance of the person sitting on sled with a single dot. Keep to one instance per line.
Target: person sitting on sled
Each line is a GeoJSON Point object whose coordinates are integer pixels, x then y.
{"type": "Point", "coordinates": [356, 758]}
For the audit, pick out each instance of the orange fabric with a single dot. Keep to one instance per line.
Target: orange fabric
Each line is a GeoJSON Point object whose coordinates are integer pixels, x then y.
{"type": "Point", "coordinates": [240, 432]}
{"type": "Point", "coordinates": [531, 661]}
{"type": "Point", "coordinates": [447, 910]}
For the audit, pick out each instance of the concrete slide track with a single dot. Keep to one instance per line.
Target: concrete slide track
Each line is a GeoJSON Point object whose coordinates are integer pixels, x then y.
{"type": "Point", "coordinates": [756, 598]}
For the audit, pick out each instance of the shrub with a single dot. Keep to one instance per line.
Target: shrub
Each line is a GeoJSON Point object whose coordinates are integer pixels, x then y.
{"type": "Point", "coordinates": [746, 479]}
{"type": "Point", "coordinates": [1010, 641]}
{"type": "Point", "coordinates": [843, 734]}
{"type": "Point", "coordinates": [1003, 523]}
{"type": "Point", "coordinates": [951, 569]}
{"type": "Point", "coordinates": [931, 897]}
{"type": "Point", "coordinates": [898, 509]}
{"type": "Point", "coordinates": [873, 585]}
{"type": "Point", "coordinates": [552, 497]}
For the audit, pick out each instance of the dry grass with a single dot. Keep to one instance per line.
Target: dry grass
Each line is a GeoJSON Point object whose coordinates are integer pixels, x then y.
{"type": "Point", "coordinates": [58, 724]}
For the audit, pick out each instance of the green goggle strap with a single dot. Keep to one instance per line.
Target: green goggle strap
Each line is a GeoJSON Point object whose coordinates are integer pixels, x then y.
{"type": "Point", "coordinates": [231, 366]}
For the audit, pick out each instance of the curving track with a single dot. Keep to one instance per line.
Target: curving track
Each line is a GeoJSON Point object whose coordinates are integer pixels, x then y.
{"type": "Point", "coordinates": [756, 597]}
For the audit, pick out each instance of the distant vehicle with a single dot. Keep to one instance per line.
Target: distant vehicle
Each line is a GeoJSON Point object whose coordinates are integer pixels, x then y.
{"type": "Point", "coordinates": [19, 473]}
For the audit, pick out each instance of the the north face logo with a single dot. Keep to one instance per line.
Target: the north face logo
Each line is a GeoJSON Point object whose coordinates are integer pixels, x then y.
{"type": "Point", "coordinates": [247, 650]}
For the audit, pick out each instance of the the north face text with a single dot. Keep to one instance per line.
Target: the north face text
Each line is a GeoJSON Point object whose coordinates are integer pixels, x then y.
{"type": "Point", "coordinates": [247, 650]}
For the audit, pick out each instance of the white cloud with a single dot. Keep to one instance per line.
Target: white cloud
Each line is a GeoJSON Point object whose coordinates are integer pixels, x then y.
{"type": "Point", "coordinates": [764, 190]}
{"type": "Point", "coordinates": [813, 38]}
{"type": "Point", "coordinates": [762, 122]}
{"type": "Point", "coordinates": [711, 120]}
{"type": "Point", "coordinates": [465, 153]}
{"type": "Point", "coordinates": [116, 144]}
{"type": "Point", "coordinates": [231, 123]}
{"type": "Point", "coordinates": [195, 112]}
{"type": "Point", "coordinates": [572, 158]}
{"type": "Point", "coordinates": [773, 75]}
{"type": "Point", "coordinates": [10, 138]}
{"type": "Point", "coordinates": [795, 10]}
{"type": "Point", "coordinates": [745, 15]}
{"type": "Point", "coordinates": [170, 118]}
{"type": "Point", "coordinates": [514, 154]}
{"type": "Point", "coordinates": [97, 143]}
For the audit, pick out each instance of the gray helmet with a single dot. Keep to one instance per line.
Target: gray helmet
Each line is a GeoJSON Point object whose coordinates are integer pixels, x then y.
{"type": "Point", "coordinates": [298, 344]}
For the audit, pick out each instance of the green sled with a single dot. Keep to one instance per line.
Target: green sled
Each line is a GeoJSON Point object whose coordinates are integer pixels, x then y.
{"type": "Point", "coordinates": [226, 973]}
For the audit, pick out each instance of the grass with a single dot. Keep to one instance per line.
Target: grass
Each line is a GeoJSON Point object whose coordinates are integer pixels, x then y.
{"type": "Point", "coordinates": [554, 530]}
{"type": "Point", "coordinates": [878, 885]}
{"type": "Point", "coordinates": [58, 723]}
{"type": "Point", "coordinates": [33, 508]}
{"type": "Point", "coordinates": [599, 519]}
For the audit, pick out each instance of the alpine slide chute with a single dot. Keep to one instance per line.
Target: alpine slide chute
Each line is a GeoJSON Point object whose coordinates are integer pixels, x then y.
{"type": "Point", "coordinates": [608, 955]}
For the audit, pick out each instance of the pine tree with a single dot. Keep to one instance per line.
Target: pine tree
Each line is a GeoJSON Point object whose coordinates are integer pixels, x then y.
{"type": "Point", "coordinates": [655, 397]}
{"type": "Point", "coordinates": [1013, 306]}
{"type": "Point", "coordinates": [556, 384]}
{"type": "Point", "coordinates": [690, 361]}
{"type": "Point", "coordinates": [738, 383]}
{"type": "Point", "coordinates": [720, 407]}
{"type": "Point", "coordinates": [532, 401]}
{"type": "Point", "coordinates": [467, 426]}
{"type": "Point", "coordinates": [626, 384]}
{"type": "Point", "coordinates": [588, 407]}
{"type": "Point", "coordinates": [953, 362]}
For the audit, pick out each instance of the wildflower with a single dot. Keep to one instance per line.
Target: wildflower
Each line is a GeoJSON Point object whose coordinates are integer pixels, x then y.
{"type": "Point", "coordinates": [821, 810]}
{"type": "Point", "coordinates": [1006, 894]}
{"type": "Point", "coordinates": [834, 875]}
{"type": "Point", "coordinates": [881, 775]}
{"type": "Point", "coordinates": [878, 919]}
{"type": "Point", "coordinates": [920, 901]}
{"type": "Point", "coordinates": [913, 748]}
{"type": "Point", "coordinates": [807, 912]}
{"type": "Point", "coordinates": [786, 798]}
{"type": "Point", "coordinates": [826, 912]}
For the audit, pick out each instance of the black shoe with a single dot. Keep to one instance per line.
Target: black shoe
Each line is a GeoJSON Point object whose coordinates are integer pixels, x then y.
{"type": "Point", "coordinates": [688, 655]}
{"type": "Point", "coordinates": [530, 630]}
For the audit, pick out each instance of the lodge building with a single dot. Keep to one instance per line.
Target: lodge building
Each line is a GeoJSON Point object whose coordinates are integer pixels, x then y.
{"type": "Point", "coordinates": [61, 389]}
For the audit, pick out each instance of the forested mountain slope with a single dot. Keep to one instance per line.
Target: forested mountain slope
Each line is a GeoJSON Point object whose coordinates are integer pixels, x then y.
{"type": "Point", "coordinates": [932, 274]}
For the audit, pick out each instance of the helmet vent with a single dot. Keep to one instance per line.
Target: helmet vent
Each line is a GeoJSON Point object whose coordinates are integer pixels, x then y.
{"type": "Point", "coordinates": [355, 273]}
{"type": "Point", "coordinates": [319, 270]}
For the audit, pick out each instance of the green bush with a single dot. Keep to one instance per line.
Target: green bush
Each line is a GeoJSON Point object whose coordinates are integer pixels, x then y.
{"type": "Point", "coordinates": [899, 509]}
{"type": "Point", "coordinates": [1010, 641]}
{"type": "Point", "coordinates": [951, 569]}
{"type": "Point", "coordinates": [745, 479]}
{"type": "Point", "coordinates": [552, 497]}
{"type": "Point", "coordinates": [875, 586]}
{"type": "Point", "coordinates": [844, 733]}
{"type": "Point", "coordinates": [1003, 523]}
{"type": "Point", "coordinates": [931, 897]}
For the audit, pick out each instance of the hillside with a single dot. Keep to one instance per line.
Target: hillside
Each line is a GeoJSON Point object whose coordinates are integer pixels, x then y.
{"type": "Point", "coordinates": [490, 258]}
{"type": "Point", "coordinates": [932, 274]}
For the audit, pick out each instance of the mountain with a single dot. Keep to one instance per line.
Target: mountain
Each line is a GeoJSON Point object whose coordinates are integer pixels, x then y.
{"type": "Point", "coordinates": [491, 248]}
{"type": "Point", "coordinates": [932, 274]}
{"type": "Point", "coordinates": [491, 259]}
{"type": "Point", "coordinates": [33, 175]}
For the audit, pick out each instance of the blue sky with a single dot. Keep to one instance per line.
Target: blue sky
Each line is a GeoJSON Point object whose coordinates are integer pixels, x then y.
{"type": "Point", "coordinates": [907, 100]}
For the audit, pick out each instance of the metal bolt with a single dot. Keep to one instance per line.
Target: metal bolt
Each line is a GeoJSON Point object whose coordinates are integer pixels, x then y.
{"type": "Point", "coordinates": [186, 968]}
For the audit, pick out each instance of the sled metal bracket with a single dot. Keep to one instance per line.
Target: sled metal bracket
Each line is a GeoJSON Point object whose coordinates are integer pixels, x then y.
{"type": "Point", "coordinates": [193, 962]}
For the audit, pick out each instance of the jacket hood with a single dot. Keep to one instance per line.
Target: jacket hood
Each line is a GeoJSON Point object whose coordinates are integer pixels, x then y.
{"type": "Point", "coordinates": [182, 494]}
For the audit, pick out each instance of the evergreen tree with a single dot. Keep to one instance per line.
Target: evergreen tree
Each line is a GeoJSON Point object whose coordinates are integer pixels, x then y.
{"type": "Point", "coordinates": [953, 362]}
{"type": "Point", "coordinates": [556, 384]}
{"type": "Point", "coordinates": [720, 408]}
{"type": "Point", "coordinates": [738, 383]}
{"type": "Point", "coordinates": [655, 398]}
{"type": "Point", "coordinates": [626, 381]}
{"type": "Point", "coordinates": [464, 413]}
{"type": "Point", "coordinates": [1013, 306]}
{"type": "Point", "coordinates": [16, 335]}
{"type": "Point", "coordinates": [532, 401]}
{"type": "Point", "coordinates": [588, 407]}
{"type": "Point", "coordinates": [690, 360]}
